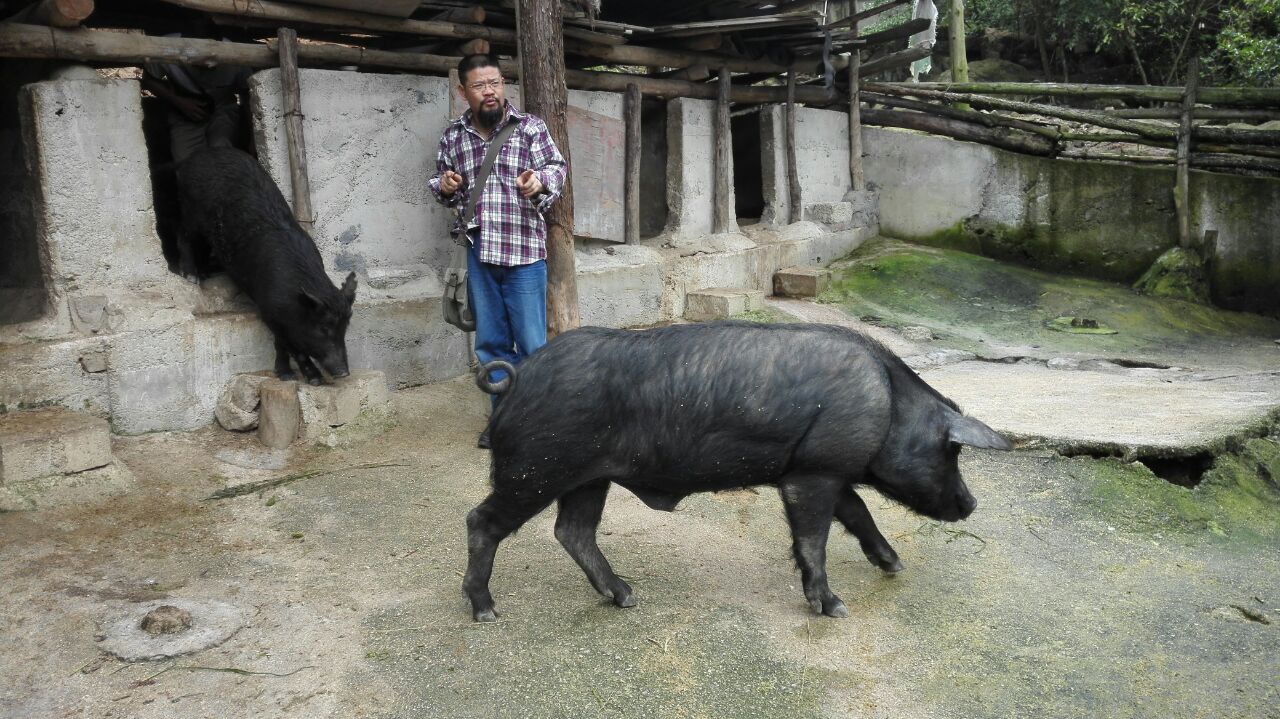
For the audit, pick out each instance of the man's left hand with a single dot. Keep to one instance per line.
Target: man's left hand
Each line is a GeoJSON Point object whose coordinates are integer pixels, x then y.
{"type": "Point", "coordinates": [528, 184]}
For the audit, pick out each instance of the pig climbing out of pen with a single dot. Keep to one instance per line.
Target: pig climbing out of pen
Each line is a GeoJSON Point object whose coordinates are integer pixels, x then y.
{"type": "Point", "coordinates": [814, 409]}
{"type": "Point", "coordinates": [232, 208]}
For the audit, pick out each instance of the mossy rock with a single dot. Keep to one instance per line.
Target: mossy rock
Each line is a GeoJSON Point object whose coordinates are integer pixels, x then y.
{"type": "Point", "coordinates": [1177, 274]}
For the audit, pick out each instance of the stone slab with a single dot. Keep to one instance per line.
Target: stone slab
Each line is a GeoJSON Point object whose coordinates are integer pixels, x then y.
{"type": "Point", "coordinates": [67, 489]}
{"type": "Point", "coordinates": [801, 281]}
{"type": "Point", "coordinates": [51, 441]}
{"type": "Point", "coordinates": [325, 407]}
{"type": "Point", "coordinates": [721, 303]}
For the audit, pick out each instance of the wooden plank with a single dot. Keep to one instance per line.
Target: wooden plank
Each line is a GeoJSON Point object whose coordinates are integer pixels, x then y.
{"type": "Point", "coordinates": [795, 205]}
{"type": "Point", "coordinates": [1181, 198]}
{"type": "Point", "coordinates": [269, 10]}
{"type": "Point", "coordinates": [723, 210]}
{"type": "Point", "coordinates": [292, 99]}
{"type": "Point", "coordinates": [631, 203]}
{"type": "Point", "coordinates": [896, 60]}
{"type": "Point", "coordinates": [737, 24]}
{"type": "Point", "coordinates": [997, 137]}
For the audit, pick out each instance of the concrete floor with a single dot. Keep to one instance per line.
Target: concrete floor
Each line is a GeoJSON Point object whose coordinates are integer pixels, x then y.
{"type": "Point", "coordinates": [1080, 587]}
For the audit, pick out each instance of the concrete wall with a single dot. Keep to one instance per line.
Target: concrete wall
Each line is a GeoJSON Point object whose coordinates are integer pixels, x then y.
{"type": "Point", "coordinates": [691, 167]}
{"type": "Point", "coordinates": [1102, 220]}
{"type": "Point", "coordinates": [822, 159]}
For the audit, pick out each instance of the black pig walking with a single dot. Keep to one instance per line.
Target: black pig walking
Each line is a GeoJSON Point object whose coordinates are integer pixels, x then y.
{"type": "Point", "coordinates": [230, 205]}
{"type": "Point", "coordinates": [665, 413]}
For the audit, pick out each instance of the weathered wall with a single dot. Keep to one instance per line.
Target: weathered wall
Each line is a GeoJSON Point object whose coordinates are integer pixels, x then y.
{"type": "Point", "coordinates": [1102, 220]}
{"type": "Point", "coordinates": [822, 158]}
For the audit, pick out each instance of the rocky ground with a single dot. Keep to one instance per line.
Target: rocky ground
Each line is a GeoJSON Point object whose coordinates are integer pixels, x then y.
{"type": "Point", "coordinates": [1084, 585]}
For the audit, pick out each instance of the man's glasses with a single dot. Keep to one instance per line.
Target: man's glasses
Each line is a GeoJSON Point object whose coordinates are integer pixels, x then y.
{"type": "Point", "coordinates": [486, 84]}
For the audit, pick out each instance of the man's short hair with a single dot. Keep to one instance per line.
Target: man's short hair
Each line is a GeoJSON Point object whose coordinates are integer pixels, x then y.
{"type": "Point", "coordinates": [474, 62]}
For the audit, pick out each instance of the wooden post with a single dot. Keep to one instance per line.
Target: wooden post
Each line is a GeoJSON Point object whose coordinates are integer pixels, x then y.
{"type": "Point", "coordinates": [545, 95]}
{"type": "Point", "coordinates": [1181, 197]}
{"type": "Point", "coordinates": [631, 203]}
{"type": "Point", "coordinates": [722, 209]}
{"type": "Point", "coordinates": [959, 61]}
{"type": "Point", "coordinates": [857, 180]}
{"type": "Point", "coordinates": [292, 96]}
{"type": "Point", "coordinates": [795, 205]}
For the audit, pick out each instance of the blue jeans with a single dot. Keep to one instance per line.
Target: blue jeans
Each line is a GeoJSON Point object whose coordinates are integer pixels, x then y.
{"type": "Point", "coordinates": [510, 307]}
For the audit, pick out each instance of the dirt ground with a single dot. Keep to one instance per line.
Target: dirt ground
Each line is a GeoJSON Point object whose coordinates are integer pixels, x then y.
{"type": "Point", "coordinates": [1080, 587]}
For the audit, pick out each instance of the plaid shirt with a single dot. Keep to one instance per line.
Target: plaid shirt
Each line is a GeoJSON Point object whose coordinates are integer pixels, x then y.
{"type": "Point", "coordinates": [512, 230]}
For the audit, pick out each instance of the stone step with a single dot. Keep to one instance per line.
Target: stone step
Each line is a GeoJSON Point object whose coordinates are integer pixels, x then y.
{"type": "Point", "coordinates": [51, 441]}
{"type": "Point", "coordinates": [801, 281]}
{"type": "Point", "coordinates": [718, 303]}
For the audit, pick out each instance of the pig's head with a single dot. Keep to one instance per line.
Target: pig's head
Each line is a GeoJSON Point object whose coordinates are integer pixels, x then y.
{"type": "Point", "coordinates": [917, 465]}
{"type": "Point", "coordinates": [322, 333]}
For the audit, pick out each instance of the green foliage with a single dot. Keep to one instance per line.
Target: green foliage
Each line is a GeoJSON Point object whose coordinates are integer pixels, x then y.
{"type": "Point", "coordinates": [1239, 40]}
{"type": "Point", "coordinates": [1248, 46]}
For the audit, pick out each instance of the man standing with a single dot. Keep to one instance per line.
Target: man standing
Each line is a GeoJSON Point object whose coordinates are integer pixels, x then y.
{"type": "Point", "coordinates": [506, 261]}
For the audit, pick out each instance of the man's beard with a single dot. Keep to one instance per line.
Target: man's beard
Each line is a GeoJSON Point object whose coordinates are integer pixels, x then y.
{"type": "Point", "coordinates": [489, 118]}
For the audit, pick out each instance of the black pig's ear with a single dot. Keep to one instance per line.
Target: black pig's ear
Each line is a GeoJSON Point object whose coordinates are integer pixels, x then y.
{"type": "Point", "coordinates": [967, 430]}
{"type": "Point", "coordinates": [309, 300]}
{"type": "Point", "coordinates": [349, 288]}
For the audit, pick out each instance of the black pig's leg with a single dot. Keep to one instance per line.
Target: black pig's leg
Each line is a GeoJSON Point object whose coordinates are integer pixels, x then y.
{"type": "Point", "coordinates": [283, 370]}
{"type": "Point", "coordinates": [308, 369]}
{"type": "Point", "coordinates": [576, 525]}
{"type": "Point", "coordinates": [809, 502]}
{"type": "Point", "coordinates": [853, 514]}
{"type": "Point", "coordinates": [487, 525]}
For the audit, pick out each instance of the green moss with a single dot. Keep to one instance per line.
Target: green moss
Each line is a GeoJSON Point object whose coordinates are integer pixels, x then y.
{"type": "Point", "coordinates": [762, 316]}
{"type": "Point", "coordinates": [973, 297]}
{"type": "Point", "coordinates": [1238, 497]}
{"type": "Point", "coordinates": [1177, 274]}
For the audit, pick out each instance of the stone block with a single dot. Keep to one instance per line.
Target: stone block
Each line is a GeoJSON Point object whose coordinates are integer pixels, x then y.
{"type": "Point", "coordinates": [835, 215]}
{"type": "Point", "coordinates": [51, 441]}
{"type": "Point", "coordinates": [721, 303]}
{"type": "Point", "coordinates": [801, 281]}
{"type": "Point", "coordinates": [334, 405]}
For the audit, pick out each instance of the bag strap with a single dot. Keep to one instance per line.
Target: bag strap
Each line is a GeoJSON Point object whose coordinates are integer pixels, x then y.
{"type": "Point", "coordinates": [482, 177]}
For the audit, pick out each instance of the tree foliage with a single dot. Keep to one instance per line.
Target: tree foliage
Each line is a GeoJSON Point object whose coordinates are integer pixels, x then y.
{"type": "Point", "coordinates": [1238, 40]}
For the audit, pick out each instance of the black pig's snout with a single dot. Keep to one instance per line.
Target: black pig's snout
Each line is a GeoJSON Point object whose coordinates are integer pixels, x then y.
{"type": "Point", "coordinates": [966, 503]}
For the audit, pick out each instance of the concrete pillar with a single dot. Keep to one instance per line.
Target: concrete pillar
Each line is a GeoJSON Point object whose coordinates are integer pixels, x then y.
{"type": "Point", "coordinates": [690, 166]}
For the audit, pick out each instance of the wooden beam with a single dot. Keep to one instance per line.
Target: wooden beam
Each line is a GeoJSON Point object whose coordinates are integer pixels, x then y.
{"type": "Point", "coordinates": [631, 191]}
{"type": "Point", "coordinates": [545, 95]}
{"type": "Point", "coordinates": [723, 210]}
{"type": "Point", "coordinates": [1181, 198]}
{"type": "Point", "coordinates": [292, 96]}
{"type": "Point", "coordinates": [32, 41]}
{"type": "Point", "coordinates": [1232, 96]}
{"type": "Point", "coordinates": [997, 137]}
{"type": "Point", "coordinates": [54, 13]}
{"type": "Point", "coordinates": [866, 14]}
{"type": "Point", "coordinates": [959, 61]}
{"type": "Point", "coordinates": [470, 15]}
{"type": "Point", "coordinates": [795, 203]}
{"type": "Point", "coordinates": [1200, 113]}
{"type": "Point", "coordinates": [346, 19]}
{"type": "Point", "coordinates": [896, 60]}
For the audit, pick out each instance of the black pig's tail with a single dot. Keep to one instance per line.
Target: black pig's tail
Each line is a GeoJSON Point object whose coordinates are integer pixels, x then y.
{"type": "Point", "coordinates": [501, 386]}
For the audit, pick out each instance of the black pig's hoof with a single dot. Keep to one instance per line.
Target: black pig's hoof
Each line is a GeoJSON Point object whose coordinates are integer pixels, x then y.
{"type": "Point", "coordinates": [286, 376]}
{"type": "Point", "coordinates": [891, 568]}
{"type": "Point", "coordinates": [625, 600]}
{"type": "Point", "coordinates": [486, 615]}
{"type": "Point", "coordinates": [314, 381]}
{"type": "Point", "coordinates": [835, 608]}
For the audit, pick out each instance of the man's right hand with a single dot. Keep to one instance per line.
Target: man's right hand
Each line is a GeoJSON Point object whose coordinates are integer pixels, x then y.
{"type": "Point", "coordinates": [450, 181]}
